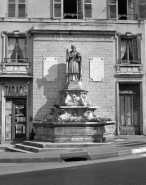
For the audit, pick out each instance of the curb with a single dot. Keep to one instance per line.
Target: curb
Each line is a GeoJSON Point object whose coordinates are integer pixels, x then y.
{"type": "Point", "coordinates": [64, 156]}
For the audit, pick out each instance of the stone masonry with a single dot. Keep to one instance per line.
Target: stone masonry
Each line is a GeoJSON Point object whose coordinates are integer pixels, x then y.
{"type": "Point", "coordinates": [101, 94]}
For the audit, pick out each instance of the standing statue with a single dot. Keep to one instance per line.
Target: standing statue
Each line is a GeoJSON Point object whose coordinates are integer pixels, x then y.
{"type": "Point", "coordinates": [74, 65]}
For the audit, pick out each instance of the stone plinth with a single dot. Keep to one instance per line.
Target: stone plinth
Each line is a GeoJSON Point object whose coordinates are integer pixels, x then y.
{"type": "Point", "coordinates": [75, 131]}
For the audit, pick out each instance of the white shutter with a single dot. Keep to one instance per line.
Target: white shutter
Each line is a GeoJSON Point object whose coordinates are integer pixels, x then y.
{"type": "Point", "coordinates": [113, 7]}
{"type": "Point", "coordinates": [12, 8]}
{"type": "Point", "coordinates": [57, 8]}
{"type": "Point", "coordinates": [88, 8]}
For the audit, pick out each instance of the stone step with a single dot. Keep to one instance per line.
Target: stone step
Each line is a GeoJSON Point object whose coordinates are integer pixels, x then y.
{"type": "Point", "coordinates": [62, 145]}
{"type": "Point", "coordinates": [13, 149]}
{"type": "Point", "coordinates": [30, 148]}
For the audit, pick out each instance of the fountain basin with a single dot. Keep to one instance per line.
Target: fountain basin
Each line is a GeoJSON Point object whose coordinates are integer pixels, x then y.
{"type": "Point", "coordinates": [75, 131]}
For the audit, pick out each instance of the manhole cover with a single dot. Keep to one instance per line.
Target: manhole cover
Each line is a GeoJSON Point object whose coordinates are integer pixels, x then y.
{"type": "Point", "coordinates": [120, 139]}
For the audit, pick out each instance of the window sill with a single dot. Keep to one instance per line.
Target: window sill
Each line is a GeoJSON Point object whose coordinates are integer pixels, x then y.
{"type": "Point", "coordinates": [16, 64]}
{"type": "Point", "coordinates": [140, 65]}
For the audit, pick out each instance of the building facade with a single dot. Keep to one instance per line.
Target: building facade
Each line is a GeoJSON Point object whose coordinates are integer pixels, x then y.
{"type": "Point", "coordinates": [35, 35]}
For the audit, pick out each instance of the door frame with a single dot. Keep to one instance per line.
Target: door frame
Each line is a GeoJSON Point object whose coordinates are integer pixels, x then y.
{"type": "Point", "coordinates": [134, 81]}
{"type": "Point", "coordinates": [3, 104]}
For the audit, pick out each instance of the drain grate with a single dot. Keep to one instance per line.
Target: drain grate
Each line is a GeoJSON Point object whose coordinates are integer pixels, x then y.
{"type": "Point", "coordinates": [75, 156]}
{"type": "Point", "coordinates": [75, 159]}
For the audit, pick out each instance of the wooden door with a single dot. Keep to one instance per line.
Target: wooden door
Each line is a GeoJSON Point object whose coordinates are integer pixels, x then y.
{"type": "Point", "coordinates": [129, 113]}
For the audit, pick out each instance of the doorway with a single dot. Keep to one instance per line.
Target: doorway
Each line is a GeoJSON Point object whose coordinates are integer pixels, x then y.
{"type": "Point", "coordinates": [129, 100]}
{"type": "Point", "coordinates": [15, 119]}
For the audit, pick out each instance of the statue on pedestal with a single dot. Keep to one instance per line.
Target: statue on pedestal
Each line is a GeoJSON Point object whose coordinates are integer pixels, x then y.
{"type": "Point", "coordinates": [73, 65]}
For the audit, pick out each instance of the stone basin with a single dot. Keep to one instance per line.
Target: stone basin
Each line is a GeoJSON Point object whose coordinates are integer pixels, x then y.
{"type": "Point", "coordinates": [75, 132]}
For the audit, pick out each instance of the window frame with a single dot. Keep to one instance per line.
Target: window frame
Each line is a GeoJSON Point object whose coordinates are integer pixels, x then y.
{"type": "Point", "coordinates": [137, 38]}
{"type": "Point", "coordinates": [82, 9]}
{"type": "Point", "coordinates": [6, 58]}
{"type": "Point", "coordinates": [135, 14]}
{"type": "Point", "coordinates": [17, 3]}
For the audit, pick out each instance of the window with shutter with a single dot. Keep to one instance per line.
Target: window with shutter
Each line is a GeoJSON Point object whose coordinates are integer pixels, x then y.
{"type": "Point", "coordinates": [17, 8]}
{"type": "Point", "coordinates": [142, 9]}
{"type": "Point", "coordinates": [122, 9]}
{"type": "Point", "coordinates": [16, 49]}
{"type": "Point", "coordinates": [88, 8]}
{"type": "Point", "coordinates": [72, 9]}
{"type": "Point", "coordinates": [129, 50]}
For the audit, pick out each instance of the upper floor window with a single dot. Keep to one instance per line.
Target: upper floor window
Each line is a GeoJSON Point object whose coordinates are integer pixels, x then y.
{"type": "Point", "coordinates": [17, 8]}
{"type": "Point", "coordinates": [72, 9]}
{"type": "Point", "coordinates": [122, 9]}
{"type": "Point", "coordinates": [129, 50]}
{"type": "Point", "coordinates": [15, 48]}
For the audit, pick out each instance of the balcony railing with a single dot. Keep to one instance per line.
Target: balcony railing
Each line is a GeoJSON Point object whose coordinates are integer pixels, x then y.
{"type": "Point", "coordinates": [16, 66]}
{"type": "Point", "coordinates": [127, 16]}
{"type": "Point", "coordinates": [9, 60]}
{"type": "Point", "coordinates": [120, 61]}
{"type": "Point", "coordinates": [73, 16]}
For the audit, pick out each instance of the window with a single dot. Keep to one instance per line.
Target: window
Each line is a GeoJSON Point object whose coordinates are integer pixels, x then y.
{"type": "Point", "coordinates": [72, 9]}
{"type": "Point", "coordinates": [15, 49]}
{"type": "Point", "coordinates": [17, 8]}
{"type": "Point", "coordinates": [129, 51]}
{"type": "Point", "coordinates": [122, 9]}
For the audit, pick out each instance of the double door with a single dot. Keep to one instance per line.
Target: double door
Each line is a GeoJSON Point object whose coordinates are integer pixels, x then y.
{"type": "Point", "coordinates": [129, 109]}
{"type": "Point", "coordinates": [15, 118]}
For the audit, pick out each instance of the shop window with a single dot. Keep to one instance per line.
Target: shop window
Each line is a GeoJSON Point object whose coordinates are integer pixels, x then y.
{"type": "Point", "coordinates": [17, 8]}
{"type": "Point", "coordinates": [72, 9]}
{"type": "Point", "coordinates": [129, 50]}
{"type": "Point", "coordinates": [122, 9]}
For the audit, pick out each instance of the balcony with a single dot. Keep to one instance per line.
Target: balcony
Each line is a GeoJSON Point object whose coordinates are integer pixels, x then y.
{"type": "Point", "coordinates": [15, 67]}
{"type": "Point", "coordinates": [127, 16]}
{"type": "Point", "coordinates": [73, 16]}
{"type": "Point", "coordinates": [129, 68]}
{"type": "Point", "coordinates": [120, 61]}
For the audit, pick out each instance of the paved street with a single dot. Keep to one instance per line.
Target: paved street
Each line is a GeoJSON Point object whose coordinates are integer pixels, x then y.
{"type": "Point", "coordinates": [124, 171]}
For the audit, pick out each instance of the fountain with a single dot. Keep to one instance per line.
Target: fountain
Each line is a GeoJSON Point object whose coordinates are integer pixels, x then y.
{"type": "Point", "coordinates": [72, 119]}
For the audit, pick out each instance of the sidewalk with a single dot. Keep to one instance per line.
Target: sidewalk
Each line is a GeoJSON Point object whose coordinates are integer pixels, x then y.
{"type": "Point", "coordinates": [122, 146]}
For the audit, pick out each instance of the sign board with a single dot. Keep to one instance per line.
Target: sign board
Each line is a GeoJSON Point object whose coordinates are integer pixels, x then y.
{"type": "Point", "coordinates": [50, 68]}
{"type": "Point", "coordinates": [96, 69]}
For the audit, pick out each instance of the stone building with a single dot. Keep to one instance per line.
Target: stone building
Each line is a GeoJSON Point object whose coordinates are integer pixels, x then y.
{"type": "Point", "coordinates": [34, 37]}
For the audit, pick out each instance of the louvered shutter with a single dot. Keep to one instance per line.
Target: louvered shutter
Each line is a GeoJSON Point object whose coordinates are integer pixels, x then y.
{"type": "Point", "coordinates": [134, 49]}
{"type": "Point", "coordinates": [142, 8]}
{"type": "Point", "coordinates": [80, 9]}
{"type": "Point", "coordinates": [112, 9]}
{"type": "Point", "coordinates": [88, 8]}
{"type": "Point", "coordinates": [11, 8]}
{"type": "Point", "coordinates": [57, 8]}
{"type": "Point", "coordinates": [21, 8]}
{"type": "Point", "coordinates": [139, 49]}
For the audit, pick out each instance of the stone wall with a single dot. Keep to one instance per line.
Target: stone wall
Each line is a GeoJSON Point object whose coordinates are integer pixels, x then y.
{"type": "Point", "coordinates": [101, 94]}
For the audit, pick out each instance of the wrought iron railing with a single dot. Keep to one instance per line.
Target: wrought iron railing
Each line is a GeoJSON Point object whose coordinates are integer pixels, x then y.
{"type": "Point", "coordinates": [73, 16]}
{"type": "Point", "coordinates": [127, 16]}
{"type": "Point", "coordinates": [120, 61]}
{"type": "Point", "coordinates": [9, 60]}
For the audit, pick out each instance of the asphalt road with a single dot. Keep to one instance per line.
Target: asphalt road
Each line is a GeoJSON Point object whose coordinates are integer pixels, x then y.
{"type": "Point", "coordinates": [121, 172]}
